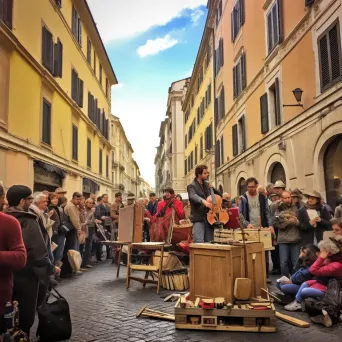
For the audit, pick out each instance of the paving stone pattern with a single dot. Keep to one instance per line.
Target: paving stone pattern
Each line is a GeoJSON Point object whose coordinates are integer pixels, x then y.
{"type": "Point", "coordinates": [103, 310]}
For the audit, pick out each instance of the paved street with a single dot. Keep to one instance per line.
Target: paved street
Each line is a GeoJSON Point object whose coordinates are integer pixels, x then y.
{"type": "Point", "coordinates": [103, 310]}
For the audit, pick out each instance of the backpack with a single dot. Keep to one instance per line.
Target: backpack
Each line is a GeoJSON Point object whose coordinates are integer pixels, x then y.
{"type": "Point", "coordinates": [54, 319]}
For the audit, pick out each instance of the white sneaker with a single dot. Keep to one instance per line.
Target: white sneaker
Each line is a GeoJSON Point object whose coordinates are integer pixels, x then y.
{"type": "Point", "coordinates": [294, 306]}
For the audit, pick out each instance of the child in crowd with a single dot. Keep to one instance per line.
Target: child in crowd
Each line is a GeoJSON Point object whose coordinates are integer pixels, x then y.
{"type": "Point", "coordinates": [307, 257]}
{"type": "Point", "coordinates": [328, 265]}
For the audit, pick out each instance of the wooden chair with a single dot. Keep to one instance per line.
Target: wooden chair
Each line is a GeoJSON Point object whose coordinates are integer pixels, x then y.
{"type": "Point", "coordinates": [119, 245]}
{"type": "Point", "coordinates": [153, 268]}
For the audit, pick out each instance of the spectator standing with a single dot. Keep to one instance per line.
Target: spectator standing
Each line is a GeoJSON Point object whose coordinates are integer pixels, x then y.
{"type": "Point", "coordinates": [102, 212]}
{"type": "Point", "coordinates": [314, 219]}
{"type": "Point", "coordinates": [115, 212]}
{"type": "Point", "coordinates": [38, 266]}
{"type": "Point", "coordinates": [338, 209]}
{"type": "Point", "coordinates": [60, 194]}
{"type": "Point", "coordinates": [12, 256]}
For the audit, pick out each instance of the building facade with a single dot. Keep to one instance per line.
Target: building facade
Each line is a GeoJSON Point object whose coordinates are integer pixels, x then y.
{"type": "Point", "coordinates": [125, 170]}
{"type": "Point", "coordinates": [198, 106]}
{"type": "Point", "coordinates": [55, 97]}
{"type": "Point", "coordinates": [169, 159]}
{"type": "Point", "coordinates": [267, 52]}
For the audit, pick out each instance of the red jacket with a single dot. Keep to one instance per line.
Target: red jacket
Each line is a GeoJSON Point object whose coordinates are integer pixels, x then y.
{"type": "Point", "coordinates": [178, 205]}
{"type": "Point", "coordinates": [12, 256]}
{"type": "Point", "coordinates": [330, 269]}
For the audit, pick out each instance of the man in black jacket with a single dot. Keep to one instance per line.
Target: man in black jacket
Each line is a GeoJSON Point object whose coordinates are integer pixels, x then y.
{"type": "Point", "coordinates": [38, 266]}
{"type": "Point", "coordinates": [152, 204]}
{"type": "Point", "coordinates": [198, 191]}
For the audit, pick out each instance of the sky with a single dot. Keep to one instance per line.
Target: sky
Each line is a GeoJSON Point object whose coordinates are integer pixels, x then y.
{"type": "Point", "coordinates": [150, 43]}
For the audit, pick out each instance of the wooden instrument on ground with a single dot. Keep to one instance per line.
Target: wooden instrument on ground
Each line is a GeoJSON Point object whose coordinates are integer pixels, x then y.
{"type": "Point", "coordinates": [146, 312]}
{"type": "Point", "coordinates": [216, 214]}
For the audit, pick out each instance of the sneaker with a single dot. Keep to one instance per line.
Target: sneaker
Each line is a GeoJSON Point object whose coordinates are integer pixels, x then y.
{"type": "Point", "coordinates": [78, 273]}
{"type": "Point", "coordinates": [83, 269]}
{"type": "Point", "coordinates": [88, 266]}
{"type": "Point", "coordinates": [294, 306]}
{"type": "Point", "coordinates": [322, 319]}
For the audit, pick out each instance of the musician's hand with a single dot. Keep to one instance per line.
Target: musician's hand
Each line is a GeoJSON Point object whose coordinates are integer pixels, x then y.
{"type": "Point", "coordinates": [207, 204]}
{"type": "Point", "coordinates": [272, 230]}
{"type": "Point", "coordinates": [250, 226]}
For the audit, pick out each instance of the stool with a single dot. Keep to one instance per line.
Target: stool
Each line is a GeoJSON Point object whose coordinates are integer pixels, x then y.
{"type": "Point", "coordinates": [117, 244]}
{"type": "Point", "coordinates": [154, 266]}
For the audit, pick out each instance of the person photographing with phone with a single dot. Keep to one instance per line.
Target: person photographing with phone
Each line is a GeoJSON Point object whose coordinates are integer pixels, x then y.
{"type": "Point", "coordinates": [198, 192]}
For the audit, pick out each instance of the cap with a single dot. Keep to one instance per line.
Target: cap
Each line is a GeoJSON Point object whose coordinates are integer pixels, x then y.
{"type": "Point", "coordinates": [16, 193]}
{"type": "Point", "coordinates": [279, 184]}
{"type": "Point", "coordinates": [60, 191]}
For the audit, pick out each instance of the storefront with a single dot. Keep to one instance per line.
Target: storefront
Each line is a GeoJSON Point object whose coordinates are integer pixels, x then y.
{"type": "Point", "coordinates": [89, 187]}
{"type": "Point", "coordinates": [47, 177]}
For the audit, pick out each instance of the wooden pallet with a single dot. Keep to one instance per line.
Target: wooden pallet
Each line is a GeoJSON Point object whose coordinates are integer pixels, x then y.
{"type": "Point", "coordinates": [238, 318]}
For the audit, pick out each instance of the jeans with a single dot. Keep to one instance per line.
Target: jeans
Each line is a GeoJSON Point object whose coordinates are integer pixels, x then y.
{"type": "Point", "coordinates": [288, 252]}
{"type": "Point", "coordinates": [59, 240]}
{"type": "Point", "coordinates": [305, 291]}
{"type": "Point", "coordinates": [288, 289]}
{"type": "Point", "coordinates": [88, 246]}
{"type": "Point", "coordinates": [275, 258]}
{"type": "Point", "coordinates": [203, 232]}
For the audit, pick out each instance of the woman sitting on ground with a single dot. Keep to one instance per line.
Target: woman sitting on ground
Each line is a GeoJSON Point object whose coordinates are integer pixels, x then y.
{"type": "Point", "coordinates": [328, 265]}
{"type": "Point", "coordinates": [307, 257]}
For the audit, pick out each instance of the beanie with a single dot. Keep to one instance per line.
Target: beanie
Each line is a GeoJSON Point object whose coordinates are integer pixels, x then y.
{"type": "Point", "coordinates": [16, 193]}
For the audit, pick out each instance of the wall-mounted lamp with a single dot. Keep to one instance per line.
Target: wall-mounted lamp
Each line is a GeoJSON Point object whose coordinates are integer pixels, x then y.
{"type": "Point", "coordinates": [298, 96]}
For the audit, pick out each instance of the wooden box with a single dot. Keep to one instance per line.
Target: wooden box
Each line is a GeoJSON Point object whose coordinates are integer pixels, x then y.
{"type": "Point", "coordinates": [131, 223]}
{"type": "Point", "coordinates": [213, 269]}
{"type": "Point", "coordinates": [263, 235]}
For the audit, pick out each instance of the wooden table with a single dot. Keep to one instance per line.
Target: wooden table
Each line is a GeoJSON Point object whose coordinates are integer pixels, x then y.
{"type": "Point", "coordinates": [117, 244]}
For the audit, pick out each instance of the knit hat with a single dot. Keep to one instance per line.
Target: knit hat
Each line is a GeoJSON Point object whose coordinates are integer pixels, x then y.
{"type": "Point", "coordinates": [16, 193]}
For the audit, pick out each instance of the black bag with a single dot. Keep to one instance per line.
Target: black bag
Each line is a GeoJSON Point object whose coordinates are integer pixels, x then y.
{"type": "Point", "coordinates": [54, 319]}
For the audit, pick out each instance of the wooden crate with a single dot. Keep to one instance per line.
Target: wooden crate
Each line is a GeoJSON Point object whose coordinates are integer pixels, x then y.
{"type": "Point", "coordinates": [239, 318]}
{"type": "Point", "coordinates": [213, 270]}
{"type": "Point", "coordinates": [263, 235]}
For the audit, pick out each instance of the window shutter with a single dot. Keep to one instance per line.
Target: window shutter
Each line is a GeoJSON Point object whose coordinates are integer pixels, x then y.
{"type": "Point", "coordinates": [89, 106]}
{"type": "Point", "coordinates": [235, 140]}
{"type": "Point", "coordinates": [217, 120]}
{"type": "Point", "coordinates": [185, 167]}
{"type": "Point", "coordinates": [264, 113]}
{"type": "Point", "coordinates": [234, 83]}
{"type": "Point", "coordinates": [80, 93]}
{"type": "Point", "coordinates": [280, 21]}
{"type": "Point", "coordinates": [210, 136]}
{"type": "Point", "coordinates": [324, 61]}
{"type": "Point", "coordinates": [74, 143]}
{"type": "Point", "coordinates": [222, 106]}
{"type": "Point", "coordinates": [58, 59]}
{"type": "Point", "coordinates": [107, 166]}
{"type": "Point", "coordinates": [196, 152]}
{"type": "Point", "coordinates": [242, 12]}
{"type": "Point", "coordinates": [74, 85]}
{"type": "Point", "coordinates": [201, 148]}
{"type": "Point", "coordinates": [335, 53]}
{"type": "Point", "coordinates": [198, 115]}
{"type": "Point", "coordinates": [209, 93]}
{"type": "Point", "coordinates": [232, 26]}
{"type": "Point", "coordinates": [243, 133]}
{"type": "Point", "coordinates": [277, 103]}
{"type": "Point", "coordinates": [309, 2]}
{"type": "Point", "coordinates": [243, 71]}
{"type": "Point", "coordinates": [88, 152]}
{"type": "Point", "coordinates": [79, 26]}
{"type": "Point", "coordinates": [186, 140]}
{"type": "Point", "coordinates": [47, 50]}
{"type": "Point", "coordinates": [222, 152]}
{"type": "Point", "coordinates": [98, 118]}
{"type": "Point", "coordinates": [221, 53]}
{"type": "Point", "coordinates": [89, 51]}
{"type": "Point", "coordinates": [215, 62]}
{"type": "Point", "coordinates": [217, 153]}
{"type": "Point", "coordinates": [74, 22]}
{"type": "Point", "coordinates": [46, 134]}
{"type": "Point", "coordinates": [269, 32]}
{"type": "Point", "coordinates": [100, 161]}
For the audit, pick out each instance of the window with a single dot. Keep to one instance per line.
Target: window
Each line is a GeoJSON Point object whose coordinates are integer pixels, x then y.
{"type": "Point", "coordinates": [237, 18]}
{"type": "Point", "coordinates": [201, 148]}
{"type": "Point", "coordinates": [239, 76]}
{"type": "Point", "coordinates": [186, 141]}
{"type": "Point", "coordinates": [274, 25]}
{"type": "Point", "coordinates": [219, 109]}
{"type": "Point", "coordinates": [196, 152]}
{"type": "Point", "coordinates": [107, 166]}
{"type": "Point", "coordinates": [208, 57]}
{"type": "Point", "coordinates": [274, 107]}
{"type": "Point", "coordinates": [209, 137]}
{"type": "Point", "coordinates": [89, 51]}
{"type": "Point", "coordinates": [46, 129]}
{"type": "Point", "coordinates": [239, 136]}
{"type": "Point", "coordinates": [88, 152]}
{"type": "Point", "coordinates": [192, 129]}
{"type": "Point", "coordinates": [217, 153]}
{"type": "Point", "coordinates": [74, 142]}
{"type": "Point", "coordinates": [235, 140]}
{"type": "Point", "coordinates": [264, 113]}
{"type": "Point", "coordinates": [6, 12]}
{"type": "Point", "coordinates": [52, 54]}
{"type": "Point", "coordinates": [76, 88]}
{"type": "Point", "coordinates": [309, 2]}
{"type": "Point", "coordinates": [185, 167]}
{"type": "Point", "coordinates": [219, 13]}
{"type": "Point", "coordinates": [219, 57]}
{"type": "Point", "coordinates": [94, 63]}
{"type": "Point", "coordinates": [221, 152]}
{"type": "Point", "coordinates": [76, 26]}
{"type": "Point", "coordinates": [100, 76]}
{"type": "Point", "coordinates": [59, 3]}
{"type": "Point", "coordinates": [107, 88]}
{"type": "Point", "coordinates": [329, 49]}
{"type": "Point", "coordinates": [100, 161]}
{"type": "Point", "coordinates": [192, 101]}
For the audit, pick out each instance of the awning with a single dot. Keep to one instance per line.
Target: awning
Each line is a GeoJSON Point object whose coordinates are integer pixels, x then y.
{"type": "Point", "coordinates": [50, 168]}
{"type": "Point", "coordinates": [89, 186]}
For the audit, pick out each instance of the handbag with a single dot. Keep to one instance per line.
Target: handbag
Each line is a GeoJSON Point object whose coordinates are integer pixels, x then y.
{"type": "Point", "coordinates": [54, 319]}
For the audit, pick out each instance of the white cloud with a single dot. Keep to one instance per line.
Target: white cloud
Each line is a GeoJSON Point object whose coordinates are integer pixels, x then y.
{"type": "Point", "coordinates": [153, 47]}
{"type": "Point", "coordinates": [196, 16]}
{"type": "Point", "coordinates": [117, 19]}
{"type": "Point", "coordinates": [118, 86]}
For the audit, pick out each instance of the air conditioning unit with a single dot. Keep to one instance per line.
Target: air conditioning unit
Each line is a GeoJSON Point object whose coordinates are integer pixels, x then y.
{"type": "Point", "coordinates": [282, 146]}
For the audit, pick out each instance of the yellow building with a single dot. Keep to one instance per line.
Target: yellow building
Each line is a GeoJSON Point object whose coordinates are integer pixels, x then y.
{"type": "Point", "coordinates": [55, 97]}
{"type": "Point", "coordinates": [279, 64]}
{"type": "Point", "coordinates": [198, 108]}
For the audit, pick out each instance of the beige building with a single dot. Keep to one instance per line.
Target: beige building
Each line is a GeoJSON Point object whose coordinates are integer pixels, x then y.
{"type": "Point", "coordinates": [125, 170]}
{"type": "Point", "coordinates": [169, 159]}
{"type": "Point", "coordinates": [144, 189]}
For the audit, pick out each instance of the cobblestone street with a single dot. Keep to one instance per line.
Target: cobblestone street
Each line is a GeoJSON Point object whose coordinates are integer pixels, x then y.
{"type": "Point", "coordinates": [103, 310]}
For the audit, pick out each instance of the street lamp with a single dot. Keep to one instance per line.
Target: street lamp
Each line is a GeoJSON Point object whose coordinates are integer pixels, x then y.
{"type": "Point", "coordinates": [298, 96]}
